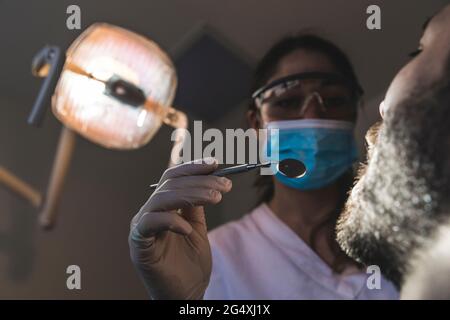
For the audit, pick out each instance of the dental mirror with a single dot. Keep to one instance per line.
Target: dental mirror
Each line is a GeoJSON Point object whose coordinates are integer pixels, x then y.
{"type": "Point", "coordinates": [290, 168]}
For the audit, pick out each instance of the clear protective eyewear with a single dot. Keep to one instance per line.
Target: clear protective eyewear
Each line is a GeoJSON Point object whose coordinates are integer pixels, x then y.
{"type": "Point", "coordinates": [291, 96]}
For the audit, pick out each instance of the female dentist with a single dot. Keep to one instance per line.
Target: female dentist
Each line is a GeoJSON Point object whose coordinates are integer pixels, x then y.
{"type": "Point", "coordinates": [285, 248]}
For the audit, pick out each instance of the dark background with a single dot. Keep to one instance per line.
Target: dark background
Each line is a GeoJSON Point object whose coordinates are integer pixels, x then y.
{"type": "Point", "coordinates": [105, 188]}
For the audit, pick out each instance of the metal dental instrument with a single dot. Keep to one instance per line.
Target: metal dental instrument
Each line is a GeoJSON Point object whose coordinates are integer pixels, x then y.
{"type": "Point", "coordinates": [289, 167]}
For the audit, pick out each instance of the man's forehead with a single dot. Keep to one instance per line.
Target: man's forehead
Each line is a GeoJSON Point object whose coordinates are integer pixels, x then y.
{"type": "Point", "coordinates": [440, 21]}
{"type": "Point", "coordinates": [436, 42]}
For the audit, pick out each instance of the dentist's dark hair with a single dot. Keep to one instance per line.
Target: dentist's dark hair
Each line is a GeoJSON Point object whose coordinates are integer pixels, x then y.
{"type": "Point", "coordinates": [265, 70]}
{"type": "Point", "coordinates": [303, 41]}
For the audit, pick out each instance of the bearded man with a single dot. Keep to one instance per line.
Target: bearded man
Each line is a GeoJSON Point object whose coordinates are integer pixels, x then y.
{"type": "Point", "coordinates": [398, 213]}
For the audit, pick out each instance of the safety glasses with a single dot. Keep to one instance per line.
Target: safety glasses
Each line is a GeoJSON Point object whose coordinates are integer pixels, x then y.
{"type": "Point", "coordinates": [331, 94]}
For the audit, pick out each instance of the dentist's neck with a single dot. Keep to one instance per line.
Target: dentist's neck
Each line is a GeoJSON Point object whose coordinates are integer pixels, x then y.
{"type": "Point", "coordinates": [303, 211]}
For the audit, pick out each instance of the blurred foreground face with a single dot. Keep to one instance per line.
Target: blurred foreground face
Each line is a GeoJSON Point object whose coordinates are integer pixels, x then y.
{"type": "Point", "coordinates": [402, 195]}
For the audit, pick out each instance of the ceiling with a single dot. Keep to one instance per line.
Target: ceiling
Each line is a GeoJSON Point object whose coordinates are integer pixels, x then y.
{"type": "Point", "coordinates": [248, 26]}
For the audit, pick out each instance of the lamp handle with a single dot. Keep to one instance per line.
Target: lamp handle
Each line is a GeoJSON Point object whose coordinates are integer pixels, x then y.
{"type": "Point", "coordinates": [178, 120]}
{"type": "Point", "coordinates": [47, 63]}
{"type": "Point", "coordinates": [61, 163]}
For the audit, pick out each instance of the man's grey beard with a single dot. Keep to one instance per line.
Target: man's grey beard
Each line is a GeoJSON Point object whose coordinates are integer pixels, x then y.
{"type": "Point", "coordinates": [398, 201]}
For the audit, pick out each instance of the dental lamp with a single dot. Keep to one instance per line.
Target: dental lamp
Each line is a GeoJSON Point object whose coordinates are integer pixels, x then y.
{"type": "Point", "coordinates": [113, 87]}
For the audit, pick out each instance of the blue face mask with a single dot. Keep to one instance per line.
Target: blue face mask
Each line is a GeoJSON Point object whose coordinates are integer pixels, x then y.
{"type": "Point", "coordinates": [326, 147]}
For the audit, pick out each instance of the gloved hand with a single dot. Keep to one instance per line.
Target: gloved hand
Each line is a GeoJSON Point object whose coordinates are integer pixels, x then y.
{"type": "Point", "coordinates": [168, 239]}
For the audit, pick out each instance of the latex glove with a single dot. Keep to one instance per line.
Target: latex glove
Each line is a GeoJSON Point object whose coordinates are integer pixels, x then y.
{"type": "Point", "coordinates": [168, 239]}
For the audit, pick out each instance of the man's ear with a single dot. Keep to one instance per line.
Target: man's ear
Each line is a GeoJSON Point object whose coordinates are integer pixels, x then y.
{"type": "Point", "coordinates": [254, 119]}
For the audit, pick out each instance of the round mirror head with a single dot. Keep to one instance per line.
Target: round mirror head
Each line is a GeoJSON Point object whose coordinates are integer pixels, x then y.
{"type": "Point", "coordinates": [291, 168]}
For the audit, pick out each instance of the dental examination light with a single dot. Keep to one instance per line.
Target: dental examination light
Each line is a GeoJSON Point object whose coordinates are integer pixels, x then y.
{"type": "Point", "coordinates": [114, 88]}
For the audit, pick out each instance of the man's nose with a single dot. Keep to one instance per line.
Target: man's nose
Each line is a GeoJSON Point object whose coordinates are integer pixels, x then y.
{"type": "Point", "coordinates": [313, 107]}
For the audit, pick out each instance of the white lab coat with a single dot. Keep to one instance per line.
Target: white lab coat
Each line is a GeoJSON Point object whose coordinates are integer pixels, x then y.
{"type": "Point", "coordinates": [260, 257]}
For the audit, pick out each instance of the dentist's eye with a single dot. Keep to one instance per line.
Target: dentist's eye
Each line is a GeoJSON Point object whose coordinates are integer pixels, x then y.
{"type": "Point", "coordinates": [287, 103]}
